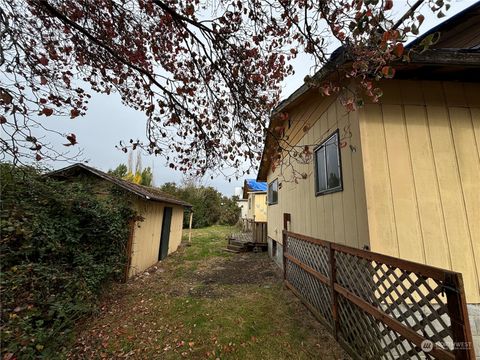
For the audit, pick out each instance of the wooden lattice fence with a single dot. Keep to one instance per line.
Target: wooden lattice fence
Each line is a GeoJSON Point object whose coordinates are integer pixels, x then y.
{"type": "Point", "coordinates": [379, 307]}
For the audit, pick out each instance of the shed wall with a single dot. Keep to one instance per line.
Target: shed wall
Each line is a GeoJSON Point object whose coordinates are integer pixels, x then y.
{"type": "Point", "coordinates": [340, 217]}
{"type": "Point", "coordinates": [421, 157]}
{"type": "Point", "coordinates": [147, 233]}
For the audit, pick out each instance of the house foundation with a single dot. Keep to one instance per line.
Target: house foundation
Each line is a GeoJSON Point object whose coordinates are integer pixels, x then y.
{"type": "Point", "coordinates": [275, 251]}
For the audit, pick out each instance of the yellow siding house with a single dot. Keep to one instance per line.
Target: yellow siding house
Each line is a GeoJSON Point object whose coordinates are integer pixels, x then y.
{"type": "Point", "coordinates": [255, 193]}
{"type": "Point", "coordinates": [399, 177]}
{"type": "Point", "coordinates": [257, 206]}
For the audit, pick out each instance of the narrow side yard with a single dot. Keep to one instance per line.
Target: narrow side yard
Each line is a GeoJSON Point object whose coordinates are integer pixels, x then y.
{"type": "Point", "coordinates": [205, 303]}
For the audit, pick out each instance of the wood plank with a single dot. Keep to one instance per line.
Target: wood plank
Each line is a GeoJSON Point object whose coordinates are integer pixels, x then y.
{"type": "Point", "coordinates": [299, 118]}
{"type": "Point", "coordinates": [330, 202]}
{"type": "Point", "coordinates": [320, 200]}
{"type": "Point", "coordinates": [381, 218]}
{"type": "Point", "coordinates": [451, 195]}
{"type": "Point", "coordinates": [329, 217]}
{"type": "Point", "coordinates": [428, 194]}
{"type": "Point", "coordinates": [309, 239]}
{"type": "Point", "coordinates": [349, 215]}
{"type": "Point", "coordinates": [475, 113]}
{"type": "Point", "coordinates": [409, 235]}
{"type": "Point", "coordinates": [361, 216]}
{"type": "Point", "coordinates": [334, 115]}
{"type": "Point", "coordinates": [421, 269]}
{"type": "Point", "coordinates": [311, 118]}
{"type": "Point", "coordinates": [469, 169]}
{"type": "Point", "coordinates": [307, 187]}
{"type": "Point", "coordinates": [310, 193]}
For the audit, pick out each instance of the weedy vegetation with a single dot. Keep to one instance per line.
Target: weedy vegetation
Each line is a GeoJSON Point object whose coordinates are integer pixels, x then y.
{"type": "Point", "coordinates": [60, 246]}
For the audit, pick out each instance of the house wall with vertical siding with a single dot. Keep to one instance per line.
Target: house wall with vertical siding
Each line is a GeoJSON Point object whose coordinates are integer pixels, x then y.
{"type": "Point", "coordinates": [260, 205]}
{"type": "Point", "coordinates": [147, 233]}
{"type": "Point", "coordinates": [340, 217]}
{"type": "Point", "coordinates": [257, 206]}
{"type": "Point", "coordinates": [421, 159]}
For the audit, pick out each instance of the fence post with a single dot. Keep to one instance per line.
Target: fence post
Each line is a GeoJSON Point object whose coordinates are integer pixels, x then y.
{"type": "Point", "coordinates": [457, 310]}
{"type": "Point", "coordinates": [286, 219]}
{"type": "Point", "coordinates": [333, 280]}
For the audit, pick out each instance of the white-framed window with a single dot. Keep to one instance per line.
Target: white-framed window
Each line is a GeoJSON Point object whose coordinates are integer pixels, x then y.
{"type": "Point", "coordinates": [272, 194]}
{"type": "Point", "coordinates": [328, 166]}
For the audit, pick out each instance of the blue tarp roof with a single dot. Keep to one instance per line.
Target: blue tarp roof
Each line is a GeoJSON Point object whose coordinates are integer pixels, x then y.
{"type": "Point", "coordinates": [254, 185]}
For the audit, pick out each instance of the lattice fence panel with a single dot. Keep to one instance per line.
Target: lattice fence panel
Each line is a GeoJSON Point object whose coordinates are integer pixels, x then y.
{"type": "Point", "coordinates": [370, 288]}
{"type": "Point", "coordinates": [371, 339]}
{"type": "Point", "coordinates": [312, 290]}
{"type": "Point", "coordinates": [413, 300]}
{"type": "Point", "coordinates": [313, 255]}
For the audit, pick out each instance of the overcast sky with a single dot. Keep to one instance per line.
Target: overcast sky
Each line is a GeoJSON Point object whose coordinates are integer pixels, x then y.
{"type": "Point", "coordinates": [108, 121]}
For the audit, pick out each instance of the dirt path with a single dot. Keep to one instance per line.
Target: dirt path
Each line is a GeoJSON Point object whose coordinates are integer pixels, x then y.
{"type": "Point", "coordinates": [204, 303]}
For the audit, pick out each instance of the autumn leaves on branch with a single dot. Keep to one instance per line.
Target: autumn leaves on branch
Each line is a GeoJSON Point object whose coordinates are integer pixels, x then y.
{"type": "Point", "coordinates": [205, 76]}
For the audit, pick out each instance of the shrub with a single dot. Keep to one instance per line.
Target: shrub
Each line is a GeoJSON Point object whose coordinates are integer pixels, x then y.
{"type": "Point", "coordinates": [230, 211]}
{"type": "Point", "coordinates": [210, 207]}
{"type": "Point", "coordinates": [60, 245]}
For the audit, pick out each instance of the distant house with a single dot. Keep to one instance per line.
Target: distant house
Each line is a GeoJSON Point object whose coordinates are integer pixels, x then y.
{"type": "Point", "coordinates": [241, 202]}
{"type": "Point", "coordinates": [399, 177]}
{"type": "Point", "coordinates": [255, 192]}
{"type": "Point", "coordinates": [243, 205]}
{"type": "Point", "coordinates": [159, 230]}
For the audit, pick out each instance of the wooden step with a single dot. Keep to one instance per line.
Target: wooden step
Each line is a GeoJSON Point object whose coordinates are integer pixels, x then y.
{"type": "Point", "coordinates": [236, 243]}
{"type": "Point", "coordinates": [239, 248]}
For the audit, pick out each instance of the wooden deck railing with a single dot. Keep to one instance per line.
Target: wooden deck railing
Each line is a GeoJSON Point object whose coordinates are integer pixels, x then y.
{"type": "Point", "coordinates": [257, 228]}
{"type": "Point", "coordinates": [377, 306]}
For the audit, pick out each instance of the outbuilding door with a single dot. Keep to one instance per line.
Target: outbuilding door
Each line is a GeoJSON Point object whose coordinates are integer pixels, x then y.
{"type": "Point", "coordinates": [165, 237]}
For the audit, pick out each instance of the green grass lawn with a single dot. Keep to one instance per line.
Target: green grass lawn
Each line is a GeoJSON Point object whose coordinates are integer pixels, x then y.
{"type": "Point", "coordinates": [201, 303]}
{"type": "Point", "coordinates": [207, 242]}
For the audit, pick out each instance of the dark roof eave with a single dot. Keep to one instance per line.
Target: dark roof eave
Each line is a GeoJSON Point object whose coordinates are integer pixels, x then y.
{"type": "Point", "coordinates": [431, 57]}
{"type": "Point", "coordinates": [448, 57]}
{"type": "Point", "coordinates": [130, 187]}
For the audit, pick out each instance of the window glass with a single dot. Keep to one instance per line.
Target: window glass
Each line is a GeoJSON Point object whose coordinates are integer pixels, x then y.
{"type": "Point", "coordinates": [333, 168]}
{"type": "Point", "coordinates": [321, 179]}
{"type": "Point", "coordinates": [273, 192]}
{"type": "Point", "coordinates": [327, 166]}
